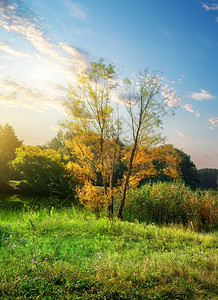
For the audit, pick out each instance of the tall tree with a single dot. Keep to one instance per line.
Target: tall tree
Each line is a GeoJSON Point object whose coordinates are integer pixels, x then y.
{"type": "Point", "coordinates": [146, 99]}
{"type": "Point", "coordinates": [92, 128]}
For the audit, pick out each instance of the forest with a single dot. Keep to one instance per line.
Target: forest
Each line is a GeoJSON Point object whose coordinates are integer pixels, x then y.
{"type": "Point", "coordinates": [129, 216]}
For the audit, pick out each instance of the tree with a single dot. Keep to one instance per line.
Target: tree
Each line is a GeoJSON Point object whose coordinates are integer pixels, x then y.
{"type": "Point", "coordinates": [58, 143]}
{"type": "Point", "coordinates": [92, 130]}
{"type": "Point", "coordinates": [164, 164]}
{"type": "Point", "coordinates": [40, 171]}
{"type": "Point", "coordinates": [146, 100]}
{"type": "Point", "coordinates": [188, 170]}
{"type": "Point", "coordinates": [208, 178]}
{"type": "Point", "coordinates": [8, 143]}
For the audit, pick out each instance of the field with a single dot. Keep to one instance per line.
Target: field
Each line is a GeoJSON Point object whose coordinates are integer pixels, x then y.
{"type": "Point", "coordinates": [69, 254]}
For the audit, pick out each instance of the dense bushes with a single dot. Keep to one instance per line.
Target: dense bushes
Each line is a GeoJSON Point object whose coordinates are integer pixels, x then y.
{"type": "Point", "coordinates": [165, 203]}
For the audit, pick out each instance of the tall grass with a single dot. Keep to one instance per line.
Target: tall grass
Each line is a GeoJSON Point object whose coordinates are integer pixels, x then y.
{"type": "Point", "coordinates": [164, 203]}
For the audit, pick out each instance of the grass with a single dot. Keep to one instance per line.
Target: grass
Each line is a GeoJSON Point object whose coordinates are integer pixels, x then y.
{"type": "Point", "coordinates": [165, 203]}
{"type": "Point", "coordinates": [69, 254]}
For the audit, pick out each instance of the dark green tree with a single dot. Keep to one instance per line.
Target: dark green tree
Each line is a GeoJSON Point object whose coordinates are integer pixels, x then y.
{"type": "Point", "coordinates": [8, 143]}
{"type": "Point", "coordinates": [188, 170]}
{"type": "Point", "coordinates": [208, 178]}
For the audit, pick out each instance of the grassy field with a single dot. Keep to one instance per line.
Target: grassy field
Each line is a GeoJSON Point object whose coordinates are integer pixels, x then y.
{"type": "Point", "coordinates": [69, 254]}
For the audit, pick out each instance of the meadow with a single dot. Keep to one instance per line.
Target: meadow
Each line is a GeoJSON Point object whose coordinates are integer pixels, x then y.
{"type": "Point", "coordinates": [67, 253]}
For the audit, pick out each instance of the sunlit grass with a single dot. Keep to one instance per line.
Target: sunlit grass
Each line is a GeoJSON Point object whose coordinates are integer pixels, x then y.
{"type": "Point", "coordinates": [69, 254]}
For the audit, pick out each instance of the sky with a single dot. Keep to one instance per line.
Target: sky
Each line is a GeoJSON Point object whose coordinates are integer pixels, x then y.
{"type": "Point", "coordinates": [44, 44]}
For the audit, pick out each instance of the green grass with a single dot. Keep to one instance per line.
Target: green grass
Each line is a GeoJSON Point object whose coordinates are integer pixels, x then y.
{"type": "Point", "coordinates": [69, 254]}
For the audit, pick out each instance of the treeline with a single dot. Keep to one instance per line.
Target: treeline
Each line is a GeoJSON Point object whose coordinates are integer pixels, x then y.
{"type": "Point", "coordinates": [46, 170]}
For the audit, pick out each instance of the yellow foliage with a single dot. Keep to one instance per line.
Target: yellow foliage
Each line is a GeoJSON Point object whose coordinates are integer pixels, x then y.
{"type": "Point", "coordinates": [92, 197]}
{"type": "Point", "coordinates": [151, 162]}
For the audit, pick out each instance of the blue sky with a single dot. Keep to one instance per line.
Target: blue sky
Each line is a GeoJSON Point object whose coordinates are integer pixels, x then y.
{"type": "Point", "coordinates": [43, 44]}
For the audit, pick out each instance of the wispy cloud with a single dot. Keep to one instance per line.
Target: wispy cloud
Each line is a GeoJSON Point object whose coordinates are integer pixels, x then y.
{"type": "Point", "coordinates": [203, 95]}
{"type": "Point", "coordinates": [213, 122]}
{"type": "Point", "coordinates": [190, 109]}
{"type": "Point", "coordinates": [181, 79]}
{"type": "Point", "coordinates": [212, 5]}
{"type": "Point", "coordinates": [180, 134]}
{"type": "Point", "coordinates": [62, 60]}
{"type": "Point", "coordinates": [16, 94]}
{"type": "Point", "coordinates": [74, 9]}
{"type": "Point", "coordinates": [7, 48]}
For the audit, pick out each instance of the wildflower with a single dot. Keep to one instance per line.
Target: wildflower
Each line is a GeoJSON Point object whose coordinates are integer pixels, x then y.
{"type": "Point", "coordinates": [3, 284]}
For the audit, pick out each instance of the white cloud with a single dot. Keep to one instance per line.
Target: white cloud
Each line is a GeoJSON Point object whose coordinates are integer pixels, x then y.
{"type": "Point", "coordinates": [181, 79]}
{"type": "Point", "coordinates": [74, 9]}
{"type": "Point", "coordinates": [56, 63]}
{"type": "Point", "coordinates": [212, 6]}
{"type": "Point", "coordinates": [7, 48]}
{"type": "Point", "coordinates": [213, 122]}
{"type": "Point", "coordinates": [189, 108]}
{"type": "Point", "coordinates": [30, 29]}
{"type": "Point", "coordinates": [180, 134]}
{"type": "Point", "coordinates": [203, 95]}
{"type": "Point", "coordinates": [15, 94]}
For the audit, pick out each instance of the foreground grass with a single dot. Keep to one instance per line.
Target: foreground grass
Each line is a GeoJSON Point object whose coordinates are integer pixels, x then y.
{"type": "Point", "coordinates": [68, 254]}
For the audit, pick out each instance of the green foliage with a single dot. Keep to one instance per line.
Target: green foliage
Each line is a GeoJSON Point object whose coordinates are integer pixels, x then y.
{"type": "Point", "coordinates": [188, 170]}
{"type": "Point", "coordinates": [8, 143]}
{"type": "Point", "coordinates": [165, 203]}
{"type": "Point", "coordinates": [40, 171]}
{"type": "Point", "coordinates": [69, 254]}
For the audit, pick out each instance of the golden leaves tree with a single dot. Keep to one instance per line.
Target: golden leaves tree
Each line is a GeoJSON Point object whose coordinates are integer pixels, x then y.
{"type": "Point", "coordinates": [93, 131]}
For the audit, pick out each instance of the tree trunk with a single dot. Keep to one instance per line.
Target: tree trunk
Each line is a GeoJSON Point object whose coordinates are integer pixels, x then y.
{"type": "Point", "coordinates": [111, 187]}
{"type": "Point", "coordinates": [126, 182]}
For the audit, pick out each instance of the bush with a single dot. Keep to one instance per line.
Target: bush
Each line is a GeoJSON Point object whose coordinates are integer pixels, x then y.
{"type": "Point", "coordinates": [165, 203]}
